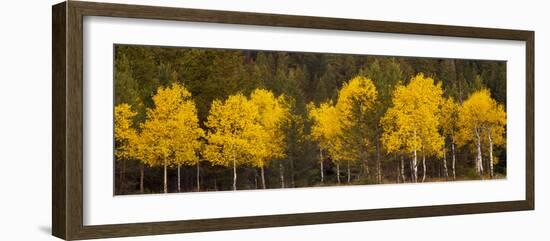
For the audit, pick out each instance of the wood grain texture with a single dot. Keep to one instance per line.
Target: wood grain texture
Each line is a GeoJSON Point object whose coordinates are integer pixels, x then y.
{"type": "Point", "coordinates": [67, 124]}
{"type": "Point", "coordinates": [74, 121]}
{"type": "Point", "coordinates": [58, 121]}
{"type": "Point", "coordinates": [530, 120]}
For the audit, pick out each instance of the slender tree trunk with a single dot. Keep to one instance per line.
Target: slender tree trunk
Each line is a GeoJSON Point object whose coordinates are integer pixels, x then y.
{"type": "Point", "coordinates": [402, 169]}
{"type": "Point", "coordinates": [165, 176]}
{"type": "Point", "coordinates": [256, 178]}
{"type": "Point", "coordinates": [263, 176]}
{"type": "Point", "coordinates": [479, 159]}
{"type": "Point", "coordinates": [398, 173]}
{"type": "Point", "coordinates": [338, 172]}
{"type": "Point", "coordinates": [414, 164]}
{"type": "Point", "coordinates": [454, 158]}
{"type": "Point", "coordinates": [179, 178]}
{"type": "Point", "coordinates": [322, 169]}
{"type": "Point", "coordinates": [415, 167]}
{"type": "Point", "coordinates": [198, 176]}
{"type": "Point", "coordinates": [234, 175]}
{"type": "Point", "coordinates": [411, 170]}
{"type": "Point", "coordinates": [349, 173]}
{"type": "Point", "coordinates": [423, 166]}
{"type": "Point", "coordinates": [291, 171]}
{"type": "Point", "coordinates": [378, 164]}
{"type": "Point", "coordinates": [282, 174]}
{"type": "Point", "coordinates": [365, 163]}
{"type": "Point", "coordinates": [141, 174]}
{"type": "Point", "coordinates": [445, 170]}
{"type": "Point", "coordinates": [215, 184]}
{"type": "Point", "coordinates": [490, 154]}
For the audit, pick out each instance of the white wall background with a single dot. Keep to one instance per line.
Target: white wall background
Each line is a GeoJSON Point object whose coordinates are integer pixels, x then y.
{"type": "Point", "coordinates": [25, 120]}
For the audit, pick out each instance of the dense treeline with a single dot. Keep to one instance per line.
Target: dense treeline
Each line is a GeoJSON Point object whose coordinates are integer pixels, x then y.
{"type": "Point", "coordinates": [261, 119]}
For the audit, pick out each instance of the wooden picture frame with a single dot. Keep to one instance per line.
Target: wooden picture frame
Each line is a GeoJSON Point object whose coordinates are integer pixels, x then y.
{"type": "Point", "coordinates": [67, 123]}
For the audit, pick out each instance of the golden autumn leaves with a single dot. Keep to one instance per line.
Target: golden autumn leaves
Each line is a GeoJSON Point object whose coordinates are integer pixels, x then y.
{"type": "Point", "coordinates": [170, 135]}
{"type": "Point", "coordinates": [248, 129]}
{"type": "Point", "coordinates": [482, 120]}
{"type": "Point", "coordinates": [241, 130]}
{"type": "Point", "coordinates": [417, 123]}
{"type": "Point", "coordinates": [342, 129]}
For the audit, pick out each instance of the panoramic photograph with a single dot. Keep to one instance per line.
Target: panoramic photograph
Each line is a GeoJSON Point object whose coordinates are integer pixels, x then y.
{"type": "Point", "coordinates": [190, 119]}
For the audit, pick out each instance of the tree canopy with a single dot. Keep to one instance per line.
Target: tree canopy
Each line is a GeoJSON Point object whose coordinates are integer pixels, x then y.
{"type": "Point", "coordinates": [293, 119]}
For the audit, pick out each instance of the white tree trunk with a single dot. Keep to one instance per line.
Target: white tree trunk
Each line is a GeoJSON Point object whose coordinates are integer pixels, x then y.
{"type": "Point", "coordinates": [165, 176]}
{"type": "Point", "coordinates": [415, 167]}
{"type": "Point", "coordinates": [402, 169]}
{"type": "Point", "coordinates": [479, 158]}
{"type": "Point", "coordinates": [423, 166]}
{"type": "Point", "coordinates": [349, 173]}
{"type": "Point", "coordinates": [263, 176]}
{"type": "Point", "coordinates": [454, 159]}
{"type": "Point", "coordinates": [198, 176]}
{"type": "Point", "coordinates": [215, 184]}
{"type": "Point", "coordinates": [411, 170]}
{"type": "Point", "coordinates": [338, 172]}
{"type": "Point", "coordinates": [282, 174]}
{"type": "Point", "coordinates": [322, 169]}
{"type": "Point", "coordinates": [490, 154]}
{"type": "Point", "coordinates": [398, 173]}
{"type": "Point", "coordinates": [179, 179]}
{"type": "Point", "coordinates": [445, 170]}
{"type": "Point", "coordinates": [234, 175]}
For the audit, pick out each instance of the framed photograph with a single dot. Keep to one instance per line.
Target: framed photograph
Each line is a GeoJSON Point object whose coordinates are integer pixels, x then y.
{"type": "Point", "coordinates": [170, 120]}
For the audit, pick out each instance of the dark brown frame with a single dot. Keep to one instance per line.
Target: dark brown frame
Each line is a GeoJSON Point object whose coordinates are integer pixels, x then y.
{"type": "Point", "coordinates": [67, 122]}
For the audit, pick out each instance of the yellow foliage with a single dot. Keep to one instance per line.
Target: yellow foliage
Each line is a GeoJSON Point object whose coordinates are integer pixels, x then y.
{"type": "Point", "coordinates": [246, 130]}
{"type": "Point", "coordinates": [125, 134]}
{"type": "Point", "coordinates": [482, 114]}
{"type": "Point", "coordinates": [171, 131]}
{"type": "Point", "coordinates": [356, 105]}
{"type": "Point", "coordinates": [232, 127]}
{"type": "Point", "coordinates": [342, 129]}
{"type": "Point", "coordinates": [449, 117]}
{"type": "Point", "coordinates": [412, 123]}
{"type": "Point", "coordinates": [326, 123]}
{"type": "Point", "coordinates": [272, 113]}
{"type": "Point", "coordinates": [356, 98]}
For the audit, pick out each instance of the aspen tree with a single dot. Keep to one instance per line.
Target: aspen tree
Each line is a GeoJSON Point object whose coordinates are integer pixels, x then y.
{"type": "Point", "coordinates": [482, 119]}
{"type": "Point", "coordinates": [356, 103]}
{"type": "Point", "coordinates": [232, 128]}
{"type": "Point", "coordinates": [170, 134]}
{"type": "Point", "coordinates": [125, 136]}
{"type": "Point", "coordinates": [269, 142]}
{"type": "Point", "coordinates": [325, 129]}
{"type": "Point", "coordinates": [412, 123]}
{"type": "Point", "coordinates": [449, 126]}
